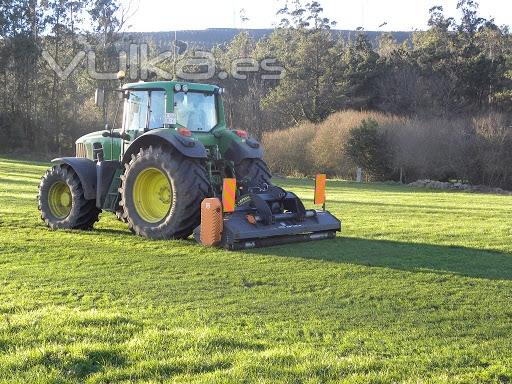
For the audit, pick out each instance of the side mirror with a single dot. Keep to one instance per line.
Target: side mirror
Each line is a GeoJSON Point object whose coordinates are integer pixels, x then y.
{"type": "Point", "coordinates": [99, 97]}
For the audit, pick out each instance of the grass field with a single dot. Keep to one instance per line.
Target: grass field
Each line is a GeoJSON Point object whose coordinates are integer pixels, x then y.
{"type": "Point", "coordinates": [417, 289]}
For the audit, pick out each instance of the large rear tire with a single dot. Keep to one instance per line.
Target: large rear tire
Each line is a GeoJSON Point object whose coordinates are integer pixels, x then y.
{"type": "Point", "coordinates": [161, 193]}
{"type": "Point", "coordinates": [253, 173]}
{"type": "Point", "coordinates": [62, 203]}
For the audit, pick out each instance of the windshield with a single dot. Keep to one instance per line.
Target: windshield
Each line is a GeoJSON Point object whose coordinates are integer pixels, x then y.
{"type": "Point", "coordinates": [195, 111]}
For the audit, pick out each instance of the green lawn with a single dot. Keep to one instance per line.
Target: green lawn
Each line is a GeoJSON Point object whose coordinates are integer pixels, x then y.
{"type": "Point", "coordinates": [417, 289]}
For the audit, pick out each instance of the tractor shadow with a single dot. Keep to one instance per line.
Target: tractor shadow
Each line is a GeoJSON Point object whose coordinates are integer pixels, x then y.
{"type": "Point", "coordinates": [411, 257]}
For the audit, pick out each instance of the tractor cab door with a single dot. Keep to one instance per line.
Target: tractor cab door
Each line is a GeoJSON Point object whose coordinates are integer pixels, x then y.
{"type": "Point", "coordinates": [143, 110]}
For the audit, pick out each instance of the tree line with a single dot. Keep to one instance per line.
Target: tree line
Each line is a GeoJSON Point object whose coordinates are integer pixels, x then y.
{"type": "Point", "coordinates": [456, 69]}
{"type": "Point", "coordinates": [40, 112]}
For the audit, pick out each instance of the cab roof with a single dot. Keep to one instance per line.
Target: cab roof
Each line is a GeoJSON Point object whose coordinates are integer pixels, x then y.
{"type": "Point", "coordinates": [167, 85]}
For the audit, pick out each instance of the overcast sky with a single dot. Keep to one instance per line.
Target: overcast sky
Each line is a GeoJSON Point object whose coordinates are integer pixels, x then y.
{"type": "Point", "coordinates": [400, 15]}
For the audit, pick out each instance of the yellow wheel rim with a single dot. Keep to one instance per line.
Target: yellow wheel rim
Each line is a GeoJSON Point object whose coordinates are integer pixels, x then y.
{"type": "Point", "coordinates": [152, 195]}
{"type": "Point", "coordinates": [60, 200]}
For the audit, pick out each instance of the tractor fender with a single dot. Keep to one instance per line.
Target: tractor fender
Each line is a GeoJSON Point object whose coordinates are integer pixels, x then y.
{"type": "Point", "coordinates": [186, 146]}
{"type": "Point", "coordinates": [86, 171]}
{"type": "Point", "coordinates": [245, 149]}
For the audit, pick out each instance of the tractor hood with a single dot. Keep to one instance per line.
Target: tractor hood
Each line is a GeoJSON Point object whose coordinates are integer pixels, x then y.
{"type": "Point", "coordinates": [111, 146]}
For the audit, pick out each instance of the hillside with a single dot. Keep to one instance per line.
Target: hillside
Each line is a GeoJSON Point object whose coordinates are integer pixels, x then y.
{"type": "Point", "coordinates": [218, 36]}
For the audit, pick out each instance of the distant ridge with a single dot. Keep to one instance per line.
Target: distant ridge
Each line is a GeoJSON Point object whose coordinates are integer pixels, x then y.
{"type": "Point", "coordinates": [208, 38]}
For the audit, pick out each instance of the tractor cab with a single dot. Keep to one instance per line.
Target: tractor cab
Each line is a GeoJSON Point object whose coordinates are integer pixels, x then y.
{"type": "Point", "coordinates": [196, 107]}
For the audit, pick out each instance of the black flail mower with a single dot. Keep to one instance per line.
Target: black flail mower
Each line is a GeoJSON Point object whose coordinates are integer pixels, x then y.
{"type": "Point", "coordinates": [263, 216]}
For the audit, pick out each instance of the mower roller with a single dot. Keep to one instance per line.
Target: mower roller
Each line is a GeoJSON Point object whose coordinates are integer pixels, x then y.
{"type": "Point", "coordinates": [172, 157]}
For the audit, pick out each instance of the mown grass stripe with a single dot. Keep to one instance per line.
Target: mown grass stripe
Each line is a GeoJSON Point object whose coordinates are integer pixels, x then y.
{"type": "Point", "coordinates": [417, 288]}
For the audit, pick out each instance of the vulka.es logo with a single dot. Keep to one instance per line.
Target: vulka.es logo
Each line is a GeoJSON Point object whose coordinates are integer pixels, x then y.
{"type": "Point", "coordinates": [139, 65]}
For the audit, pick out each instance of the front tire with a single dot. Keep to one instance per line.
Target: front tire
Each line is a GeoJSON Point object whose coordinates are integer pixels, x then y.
{"type": "Point", "coordinates": [62, 203]}
{"type": "Point", "coordinates": [161, 194]}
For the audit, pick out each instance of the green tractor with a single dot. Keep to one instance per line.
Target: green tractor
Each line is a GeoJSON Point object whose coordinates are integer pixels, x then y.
{"type": "Point", "coordinates": [173, 151]}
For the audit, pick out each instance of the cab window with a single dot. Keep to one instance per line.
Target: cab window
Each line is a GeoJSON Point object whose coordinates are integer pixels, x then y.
{"type": "Point", "coordinates": [157, 114]}
{"type": "Point", "coordinates": [136, 111]}
{"type": "Point", "coordinates": [137, 117]}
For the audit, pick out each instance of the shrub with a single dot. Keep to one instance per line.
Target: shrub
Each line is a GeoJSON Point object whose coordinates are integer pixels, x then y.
{"type": "Point", "coordinates": [327, 149]}
{"type": "Point", "coordinates": [474, 150]}
{"type": "Point", "coordinates": [491, 145]}
{"type": "Point", "coordinates": [312, 148]}
{"type": "Point", "coordinates": [286, 151]}
{"type": "Point", "coordinates": [432, 149]}
{"type": "Point", "coordinates": [368, 147]}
